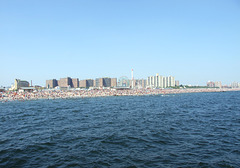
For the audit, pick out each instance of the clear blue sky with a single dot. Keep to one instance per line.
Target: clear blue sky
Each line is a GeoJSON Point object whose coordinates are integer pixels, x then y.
{"type": "Point", "coordinates": [193, 40]}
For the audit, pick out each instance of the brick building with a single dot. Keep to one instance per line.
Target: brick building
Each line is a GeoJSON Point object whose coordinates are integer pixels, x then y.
{"type": "Point", "coordinates": [113, 82]}
{"type": "Point", "coordinates": [65, 82]}
{"type": "Point", "coordinates": [75, 83]}
{"type": "Point", "coordinates": [86, 83]}
{"type": "Point", "coordinates": [105, 82]}
{"type": "Point", "coordinates": [52, 83]}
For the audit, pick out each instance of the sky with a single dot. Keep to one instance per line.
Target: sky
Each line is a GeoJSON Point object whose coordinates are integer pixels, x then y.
{"type": "Point", "coordinates": [194, 41]}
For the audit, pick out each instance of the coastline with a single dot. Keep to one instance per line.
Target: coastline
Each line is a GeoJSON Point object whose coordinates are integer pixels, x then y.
{"type": "Point", "coordinates": [59, 94]}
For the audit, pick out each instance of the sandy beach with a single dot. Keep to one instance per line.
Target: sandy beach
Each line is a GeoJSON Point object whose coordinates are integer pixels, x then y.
{"type": "Point", "coordinates": [59, 94]}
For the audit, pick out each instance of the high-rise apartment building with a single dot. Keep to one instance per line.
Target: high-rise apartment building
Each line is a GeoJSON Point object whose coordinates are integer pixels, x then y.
{"type": "Point", "coordinates": [65, 82]}
{"type": "Point", "coordinates": [164, 82]}
{"type": "Point", "coordinates": [177, 83]}
{"type": "Point", "coordinates": [113, 82]}
{"type": "Point", "coordinates": [105, 82]}
{"type": "Point", "coordinates": [142, 83]}
{"type": "Point", "coordinates": [98, 82]}
{"type": "Point", "coordinates": [171, 81]}
{"type": "Point", "coordinates": [52, 83]}
{"type": "Point", "coordinates": [160, 81]}
{"type": "Point", "coordinates": [151, 81]}
{"type": "Point", "coordinates": [75, 83]}
{"type": "Point", "coordinates": [138, 83]}
{"type": "Point", "coordinates": [214, 84]}
{"type": "Point", "coordinates": [86, 83]}
{"type": "Point", "coordinates": [235, 85]}
{"type": "Point", "coordinates": [168, 81]}
{"type": "Point", "coordinates": [218, 84]}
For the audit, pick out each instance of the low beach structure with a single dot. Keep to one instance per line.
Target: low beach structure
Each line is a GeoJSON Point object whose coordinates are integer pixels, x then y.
{"type": "Point", "coordinates": [2, 89]}
{"type": "Point", "coordinates": [27, 89]}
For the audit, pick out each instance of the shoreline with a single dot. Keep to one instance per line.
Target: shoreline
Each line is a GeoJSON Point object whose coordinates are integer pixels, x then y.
{"type": "Point", "coordinates": [59, 94]}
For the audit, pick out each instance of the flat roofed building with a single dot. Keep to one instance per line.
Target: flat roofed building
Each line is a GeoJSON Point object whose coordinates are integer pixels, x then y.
{"type": "Point", "coordinates": [75, 83]}
{"type": "Point", "coordinates": [103, 82]}
{"type": "Point", "coordinates": [171, 81]}
{"type": "Point", "coordinates": [19, 83]}
{"type": "Point", "coordinates": [86, 83]}
{"type": "Point", "coordinates": [177, 83]}
{"type": "Point", "coordinates": [218, 84]}
{"type": "Point", "coordinates": [148, 81]}
{"type": "Point", "coordinates": [151, 81]}
{"type": "Point", "coordinates": [106, 82]}
{"type": "Point", "coordinates": [52, 83]}
{"type": "Point", "coordinates": [89, 83]}
{"type": "Point", "coordinates": [160, 81]}
{"type": "Point", "coordinates": [27, 89]}
{"type": "Point", "coordinates": [98, 82]}
{"type": "Point", "coordinates": [235, 85]}
{"type": "Point", "coordinates": [113, 82]}
{"type": "Point", "coordinates": [167, 82]}
{"type": "Point", "coordinates": [164, 82]}
{"type": "Point", "coordinates": [138, 83]}
{"type": "Point", "coordinates": [82, 83]}
{"type": "Point", "coordinates": [123, 81]}
{"type": "Point", "coordinates": [142, 83]}
{"type": "Point", "coordinates": [65, 82]}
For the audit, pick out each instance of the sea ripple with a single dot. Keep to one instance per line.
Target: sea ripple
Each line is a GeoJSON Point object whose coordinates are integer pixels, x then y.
{"type": "Point", "coordinates": [183, 130]}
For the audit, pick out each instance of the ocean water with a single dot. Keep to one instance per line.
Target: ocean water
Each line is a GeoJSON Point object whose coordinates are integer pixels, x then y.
{"type": "Point", "coordinates": [182, 130]}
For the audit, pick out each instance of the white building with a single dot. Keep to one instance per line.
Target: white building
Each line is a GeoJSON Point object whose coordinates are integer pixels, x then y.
{"type": "Point", "coordinates": [160, 81]}
{"type": "Point", "coordinates": [235, 85]}
{"type": "Point", "coordinates": [218, 84]}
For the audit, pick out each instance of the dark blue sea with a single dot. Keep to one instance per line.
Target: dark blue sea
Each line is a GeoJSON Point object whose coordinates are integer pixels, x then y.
{"type": "Point", "coordinates": [182, 130]}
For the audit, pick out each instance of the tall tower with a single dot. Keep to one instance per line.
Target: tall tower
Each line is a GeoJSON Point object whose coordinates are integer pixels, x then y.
{"type": "Point", "coordinates": [132, 78]}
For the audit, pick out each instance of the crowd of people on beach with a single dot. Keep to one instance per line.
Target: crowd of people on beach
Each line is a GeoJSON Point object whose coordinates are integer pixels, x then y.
{"type": "Point", "coordinates": [63, 94]}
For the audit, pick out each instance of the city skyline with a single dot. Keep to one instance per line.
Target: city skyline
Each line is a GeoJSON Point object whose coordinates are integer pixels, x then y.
{"type": "Point", "coordinates": [157, 81]}
{"type": "Point", "coordinates": [205, 83]}
{"type": "Point", "coordinates": [194, 41]}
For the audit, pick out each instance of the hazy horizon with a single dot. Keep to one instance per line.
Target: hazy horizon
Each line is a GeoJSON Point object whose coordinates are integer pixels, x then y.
{"type": "Point", "coordinates": [194, 41]}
